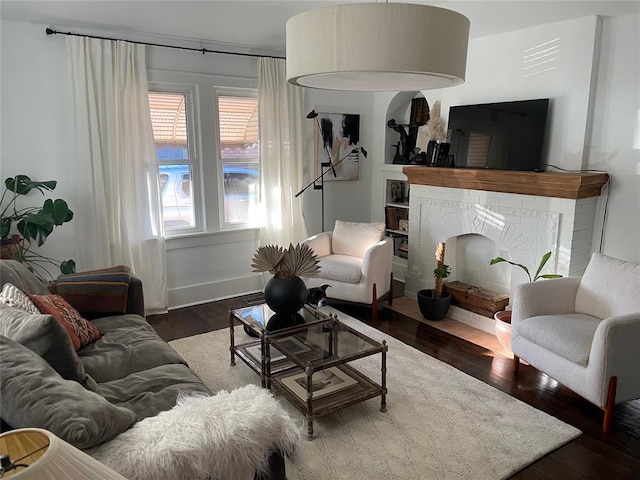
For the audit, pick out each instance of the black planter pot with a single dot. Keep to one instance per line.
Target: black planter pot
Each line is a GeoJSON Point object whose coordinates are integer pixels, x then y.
{"type": "Point", "coordinates": [433, 308]}
{"type": "Point", "coordinates": [285, 296]}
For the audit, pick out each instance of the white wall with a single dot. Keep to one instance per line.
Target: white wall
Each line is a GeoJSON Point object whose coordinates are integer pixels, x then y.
{"type": "Point", "coordinates": [594, 87]}
{"type": "Point", "coordinates": [615, 122]}
{"type": "Point", "coordinates": [35, 118]}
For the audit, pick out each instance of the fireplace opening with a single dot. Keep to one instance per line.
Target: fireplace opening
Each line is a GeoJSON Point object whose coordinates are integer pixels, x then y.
{"type": "Point", "coordinates": [470, 255]}
{"type": "Point", "coordinates": [476, 285]}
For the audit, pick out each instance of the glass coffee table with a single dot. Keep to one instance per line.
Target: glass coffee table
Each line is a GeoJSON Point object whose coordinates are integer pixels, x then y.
{"type": "Point", "coordinates": [254, 320]}
{"type": "Point", "coordinates": [322, 380]}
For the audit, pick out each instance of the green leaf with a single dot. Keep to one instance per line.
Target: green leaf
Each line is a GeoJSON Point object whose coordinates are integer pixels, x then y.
{"type": "Point", "coordinates": [67, 267]}
{"type": "Point", "coordinates": [443, 271]}
{"type": "Point", "coordinates": [22, 185]}
{"type": "Point", "coordinates": [5, 227]}
{"type": "Point", "coordinates": [58, 210]}
{"type": "Point", "coordinates": [543, 262]}
{"type": "Point", "coordinates": [500, 260]}
{"type": "Point", "coordinates": [497, 260]}
{"type": "Point", "coordinates": [36, 226]}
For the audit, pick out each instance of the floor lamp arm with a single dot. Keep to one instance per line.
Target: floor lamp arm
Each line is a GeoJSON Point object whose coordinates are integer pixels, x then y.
{"type": "Point", "coordinates": [355, 150]}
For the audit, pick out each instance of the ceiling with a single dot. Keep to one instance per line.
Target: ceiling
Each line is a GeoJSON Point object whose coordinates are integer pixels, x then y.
{"type": "Point", "coordinates": [260, 25]}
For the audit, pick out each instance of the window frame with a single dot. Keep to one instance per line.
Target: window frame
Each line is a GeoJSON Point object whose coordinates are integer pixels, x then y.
{"type": "Point", "coordinates": [194, 148]}
{"type": "Point", "coordinates": [225, 91]}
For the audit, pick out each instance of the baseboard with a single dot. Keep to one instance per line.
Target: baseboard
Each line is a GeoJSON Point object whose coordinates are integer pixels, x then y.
{"type": "Point", "coordinates": [472, 319]}
{"type": "Point", "coordinates": [213, 291]}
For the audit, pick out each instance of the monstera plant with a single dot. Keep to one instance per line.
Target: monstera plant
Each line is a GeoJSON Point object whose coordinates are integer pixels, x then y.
{"type": "Point", "coordinates": [24, 228]}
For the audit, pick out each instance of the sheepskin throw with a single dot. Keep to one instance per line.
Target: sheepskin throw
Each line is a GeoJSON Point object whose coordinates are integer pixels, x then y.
{"type": "Point", "coordinates": [228, 436]}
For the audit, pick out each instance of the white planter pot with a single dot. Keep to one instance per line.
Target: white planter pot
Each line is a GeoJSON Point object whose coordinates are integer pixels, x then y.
{"type": "Point", "coordinates": [503, 328]}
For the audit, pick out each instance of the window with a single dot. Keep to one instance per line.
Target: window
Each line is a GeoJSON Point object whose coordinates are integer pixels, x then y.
{"type": "Point", "coordinates": [208, 154]}
{"type": "Point", "coordinates": [239, 156]}
{"type": "Point", "coordinates": [175, 157]}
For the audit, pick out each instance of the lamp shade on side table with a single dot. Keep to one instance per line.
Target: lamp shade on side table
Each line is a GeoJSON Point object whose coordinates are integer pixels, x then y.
{"type": "Point", "coordinates": [43, 456]}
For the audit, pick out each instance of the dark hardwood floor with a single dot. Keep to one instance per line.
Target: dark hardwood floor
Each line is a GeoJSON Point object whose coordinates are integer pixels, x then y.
{"type": "Point", "coordinates": [593, 455]}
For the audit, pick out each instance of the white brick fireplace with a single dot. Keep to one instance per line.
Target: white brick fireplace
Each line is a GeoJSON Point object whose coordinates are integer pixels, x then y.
{"type": "Point", "coordinates": [523, 226]}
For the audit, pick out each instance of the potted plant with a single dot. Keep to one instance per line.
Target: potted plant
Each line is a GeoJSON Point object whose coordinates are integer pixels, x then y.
{"type": "Point", "coordinates": [503, 317]}
{"type": "Point", "coordinates": [433, 303]}
{"type": "Point", "coordinates": [33, 224]}
{"type": "Point", "coordinates": [285, 293]}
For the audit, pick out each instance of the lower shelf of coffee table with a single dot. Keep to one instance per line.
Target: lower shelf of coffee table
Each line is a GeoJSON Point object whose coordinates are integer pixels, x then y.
{"type": "Point", "coordinates": [363, 389]}
{"type": "Point", "coordinates": [249, 353]}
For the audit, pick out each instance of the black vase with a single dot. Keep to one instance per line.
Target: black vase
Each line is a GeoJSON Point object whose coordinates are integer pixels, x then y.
{"type": "Point", "coordinates": [285, 296]}
{"type": "Point", "coordinates": [279, 321]}
{"type": "Point", "coordinates": [433, 308]}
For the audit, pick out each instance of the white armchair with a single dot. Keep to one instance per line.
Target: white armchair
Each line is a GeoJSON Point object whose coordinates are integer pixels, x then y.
{"type": "Point", "coordinates": [355, 259]}
{"type": "Point", "coordinates": [584, 332]}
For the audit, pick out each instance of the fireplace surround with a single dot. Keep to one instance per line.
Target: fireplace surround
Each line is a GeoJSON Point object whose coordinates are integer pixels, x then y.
{"type": "Point", "coordinates": [526, 214]}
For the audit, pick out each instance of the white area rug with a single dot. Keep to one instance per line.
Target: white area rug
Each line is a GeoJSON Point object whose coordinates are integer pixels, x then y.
{"type": "Point", "coordinates": [440, 424]}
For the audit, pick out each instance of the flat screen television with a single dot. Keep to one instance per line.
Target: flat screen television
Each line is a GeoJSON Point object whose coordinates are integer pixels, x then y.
{"type": "Point", "coordinates": [499, 136]}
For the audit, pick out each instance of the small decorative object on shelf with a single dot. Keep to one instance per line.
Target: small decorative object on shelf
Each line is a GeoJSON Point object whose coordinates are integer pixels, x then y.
{"type": "Point", "coordinates": [397, 191]}
{"type": "Point", "coordinates": [435, 126]}
{"type": "Point", "coordinates": [394, 216]}
{"type": "Point", "coordinates": [420, 111]}
{"type": "Point", "coordinates": [403, 248]}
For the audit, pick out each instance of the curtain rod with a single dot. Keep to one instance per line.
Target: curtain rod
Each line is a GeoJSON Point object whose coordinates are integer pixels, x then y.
{"type": "Point", "coordinates": [50, 31]}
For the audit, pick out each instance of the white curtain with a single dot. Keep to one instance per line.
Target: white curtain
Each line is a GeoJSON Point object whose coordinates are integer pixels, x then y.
{"type": "Point", "coordinates": [118, 214]}
{"type": "Point", "coordinates": [281, 121]}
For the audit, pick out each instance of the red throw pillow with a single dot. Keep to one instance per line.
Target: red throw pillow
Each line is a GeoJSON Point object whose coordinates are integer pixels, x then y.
{"type": "Point", "coordinates": [81, 331]}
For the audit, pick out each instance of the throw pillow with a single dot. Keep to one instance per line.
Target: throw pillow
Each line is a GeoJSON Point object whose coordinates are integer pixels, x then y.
{"type": "Point", "coordinates": [34, 395]}
{"type": "Point", "coordinates": [95, 292]}
{"type": "Point", "coordinates": [12, 296]}
{"type": "Point", "coordinates": [354, 239]}
{"type": "Point", "coordinates": [46, 336]}
{"type": "Point", "coordinates": [81, 331]}
{"type": "Point", "coordinates": [18, 274]}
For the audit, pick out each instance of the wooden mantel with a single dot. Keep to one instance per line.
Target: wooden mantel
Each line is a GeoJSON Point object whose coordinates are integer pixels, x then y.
{"type": "Point", "coordinates": [543, 184]}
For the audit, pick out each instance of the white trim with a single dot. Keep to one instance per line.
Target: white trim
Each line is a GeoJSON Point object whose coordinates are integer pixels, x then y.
{"type": "Point", "coordinates": [213, 291]}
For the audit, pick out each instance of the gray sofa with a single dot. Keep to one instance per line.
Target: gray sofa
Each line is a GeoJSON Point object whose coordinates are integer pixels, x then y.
{"type": "Point", "coordinates": [92, 396]}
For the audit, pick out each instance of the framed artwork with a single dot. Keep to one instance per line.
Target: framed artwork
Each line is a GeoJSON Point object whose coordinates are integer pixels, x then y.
{"type": "Point", "coordinates": [337, 137]}
{"type": "Point", "coordinates": [324, 382]}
